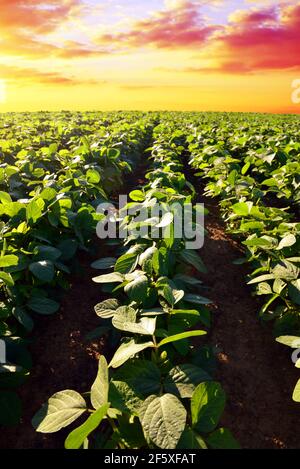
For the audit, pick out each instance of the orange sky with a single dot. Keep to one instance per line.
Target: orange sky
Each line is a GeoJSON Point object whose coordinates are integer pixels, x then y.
{"type": "Point", "coordinates": [239, 55]}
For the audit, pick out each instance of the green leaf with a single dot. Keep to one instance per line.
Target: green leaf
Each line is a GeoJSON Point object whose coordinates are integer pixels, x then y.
{"type": "Point", "coordinates": [34, 210]}
{"type": "Point", "coordinates": [242, 208]}
{"type": "Point", "coordinates": [264, 289]}
{"type": "Point", "coordinates": [196, 299]}
{"type": "Point", "coordinates": [294, 291]}
{"type": "Point", "coordinates": [296, 393]}
{"type": "Point", "coordinates": [126, 351]}
{"type": "Point", "coordinates": [286, 270]}
{"type": "Point", "coordinates": [76, 438]}
{"type": "Point", "coordinates": [99, 389]}
{"type": "Point", "coordinates": [142, 375]}
{"type": "Point", "coordinates": [137, 196]}
{"type": "Point", "coordinates": [105, 263]}
{"type": "Point", "coordinates": [166, 220]}
{"type": "Point", "coordinates": [23, 318]}
{"type": "Point", "coordinates": [207, 406]}
{"type": "Point", "coordinates": [126, 263]}
{"type": "Point", "coordinates": [43, 305]}
{"type": "Point", "coordinates": [125, 320]}
{"type": "Point", "coordinates": [183, 335]}
{"type": "Point", "coordinates": [289, 340]}
{"type": "Point", "coordinates": [183, 379]}
{"type": "Point", "coordinates": [7, 279]}
{"type": "Point", "coordinates": [114, 277]}
{"type": "Point", "coordinates": [10, 408]}
{"type": "Point", "coordinates": [48, 253]}
{"type": "Point", "coordinates": [107, 308]}
{"type": "Point", "coordinates": [163, 420]}
{"type": "Point", "coordinates": [191, 440]}
{"type": "Point", "coordinates": [261, 278]}
{"type": "Point", "coordinates": [9, 260]}
{"type": "Point", "coordinates": [43, 270]}
{"type": "Point", "coordinates": [124, 398]}
{"type": "Point", "coordinates": [93, 176]}
{"type": "Point", "coordinates": [222, 439]}
{"type": "Point", "coordinates": [257, 242]}
{"type": "Point", "coordinates": [192, 258]}
{"type": "Point", "coordinates": [60, 411]}
{"type": "Point", "coordinates": [137, 288]}
{"type": "Point", "coordinates": [287, 241]}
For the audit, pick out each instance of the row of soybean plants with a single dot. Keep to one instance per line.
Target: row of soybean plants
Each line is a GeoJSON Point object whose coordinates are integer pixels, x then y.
{"type": "Point", "coordinates": [253, 167]}
{"type": "Point", "coordinates": [53, 174]}
{"type": "Point", "coordinates": [157, 390]}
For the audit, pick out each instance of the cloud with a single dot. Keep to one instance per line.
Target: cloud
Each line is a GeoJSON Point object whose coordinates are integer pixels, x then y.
{"type": "Point", "coordinates": [180, 25]}
{"type": "Point", "coordinates": [24, 26]}
{"type": "Point", "coordinates": [26, 75]}
{"type": "Point", "coordinates": [260, 40]}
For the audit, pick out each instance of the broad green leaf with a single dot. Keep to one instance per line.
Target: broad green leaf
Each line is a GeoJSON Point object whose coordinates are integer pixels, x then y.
{"type": "Point", "coordinates": [137, 196]}
{"type": "Point", "coordinates": [124, 398]}
{"type": "Point", "coordinates": [294, 291]}
{"type": "Point", "coordinates": [8, 261]}
{"type": "Point", "coordinates": [99, 389]}
{"type": "Point", "coordinates": [286, 270]}
{"type": "Point", "coordinates": [107, 308]}
{"type": "Point", "coordinates": [191, 440]}
{"type": "Point", "coordinates": [93, 176]}
{"type": "Point", "coordinates": [23, 318]}
{"type": "Point", "coordinates": [43, 270]}
{"type": "Point", "coordinates": [166, 220]}
{"type": "Point", "coordinates": [105, 263]}
{"type": "Point", "coordinates": [183, 335]}
{"type": "Point", "coordinates": [196, 299]}
{"type": "Point", "coordinates": [7, 279]}
{"type": "Point", "coordinates": [142, 375]}
{"type": "Point", "coordinates": [60, 411]}
{"type": "Point", "coordinates": [264, 289]}
{"type": "Point", "coordinates": [261, 278]}
{"type": "Point", "coordinates": [34, 210]}
{"type": "Point", "coordinates": [222, 439]}
{"type": "Point", "coordinates": [137, 288]}
{"type": "Point", "coordinates": [126, 263]}
{"type": "Point", "coordinates": [242, 208]}
{"type": "Point", "coordinates": [183, 379]}
{"type": "Point", "coordinates": [114, 277]}
{"type": "Point", "coordinates": [207, 406]}
{"type": "Point", "coordinates": [289, 340]}
{"type": "Point", "coordinates": [192, 258]}
{"type": "Point", "coordinates": [296, 393]}
{"type": "Point", "coordinates": [43, 305]}
{"type": "Point", "coordinates": [287, 241]}
{"type": "Point", "coordinates": [126, 351]}
{"type": "Point", "coordinates": [125, 320]}
{"type": "Point", "coordinates": [163, 420]}
{"type": "Point", "coordinates": [76, 438]}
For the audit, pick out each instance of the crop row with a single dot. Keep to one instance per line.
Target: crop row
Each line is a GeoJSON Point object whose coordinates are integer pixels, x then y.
{"type": "Point", "coordinates": [53, 175]}
{"type": "Point", "coordinates": [157, 390]}
{"type": "Point", "coordinates": [255, 173]}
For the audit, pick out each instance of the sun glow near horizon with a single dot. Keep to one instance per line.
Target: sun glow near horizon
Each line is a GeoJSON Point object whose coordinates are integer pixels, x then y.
{"type": "Point", "coordinates": [2, 91]}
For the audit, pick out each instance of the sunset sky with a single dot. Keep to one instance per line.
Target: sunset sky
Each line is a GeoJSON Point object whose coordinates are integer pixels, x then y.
{"type": "Point", "coordinates": [223, 55]}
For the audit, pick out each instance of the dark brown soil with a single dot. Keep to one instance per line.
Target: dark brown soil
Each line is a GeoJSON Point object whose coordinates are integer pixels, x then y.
{"type": "Point", "coordinates": [62, 359]}
{"type": "Point", "coordinates": [256, 372]}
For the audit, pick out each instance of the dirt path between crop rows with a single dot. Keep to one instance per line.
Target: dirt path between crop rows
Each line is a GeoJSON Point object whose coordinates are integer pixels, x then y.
{"type": "Point", "coordinates": [256, 372]}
